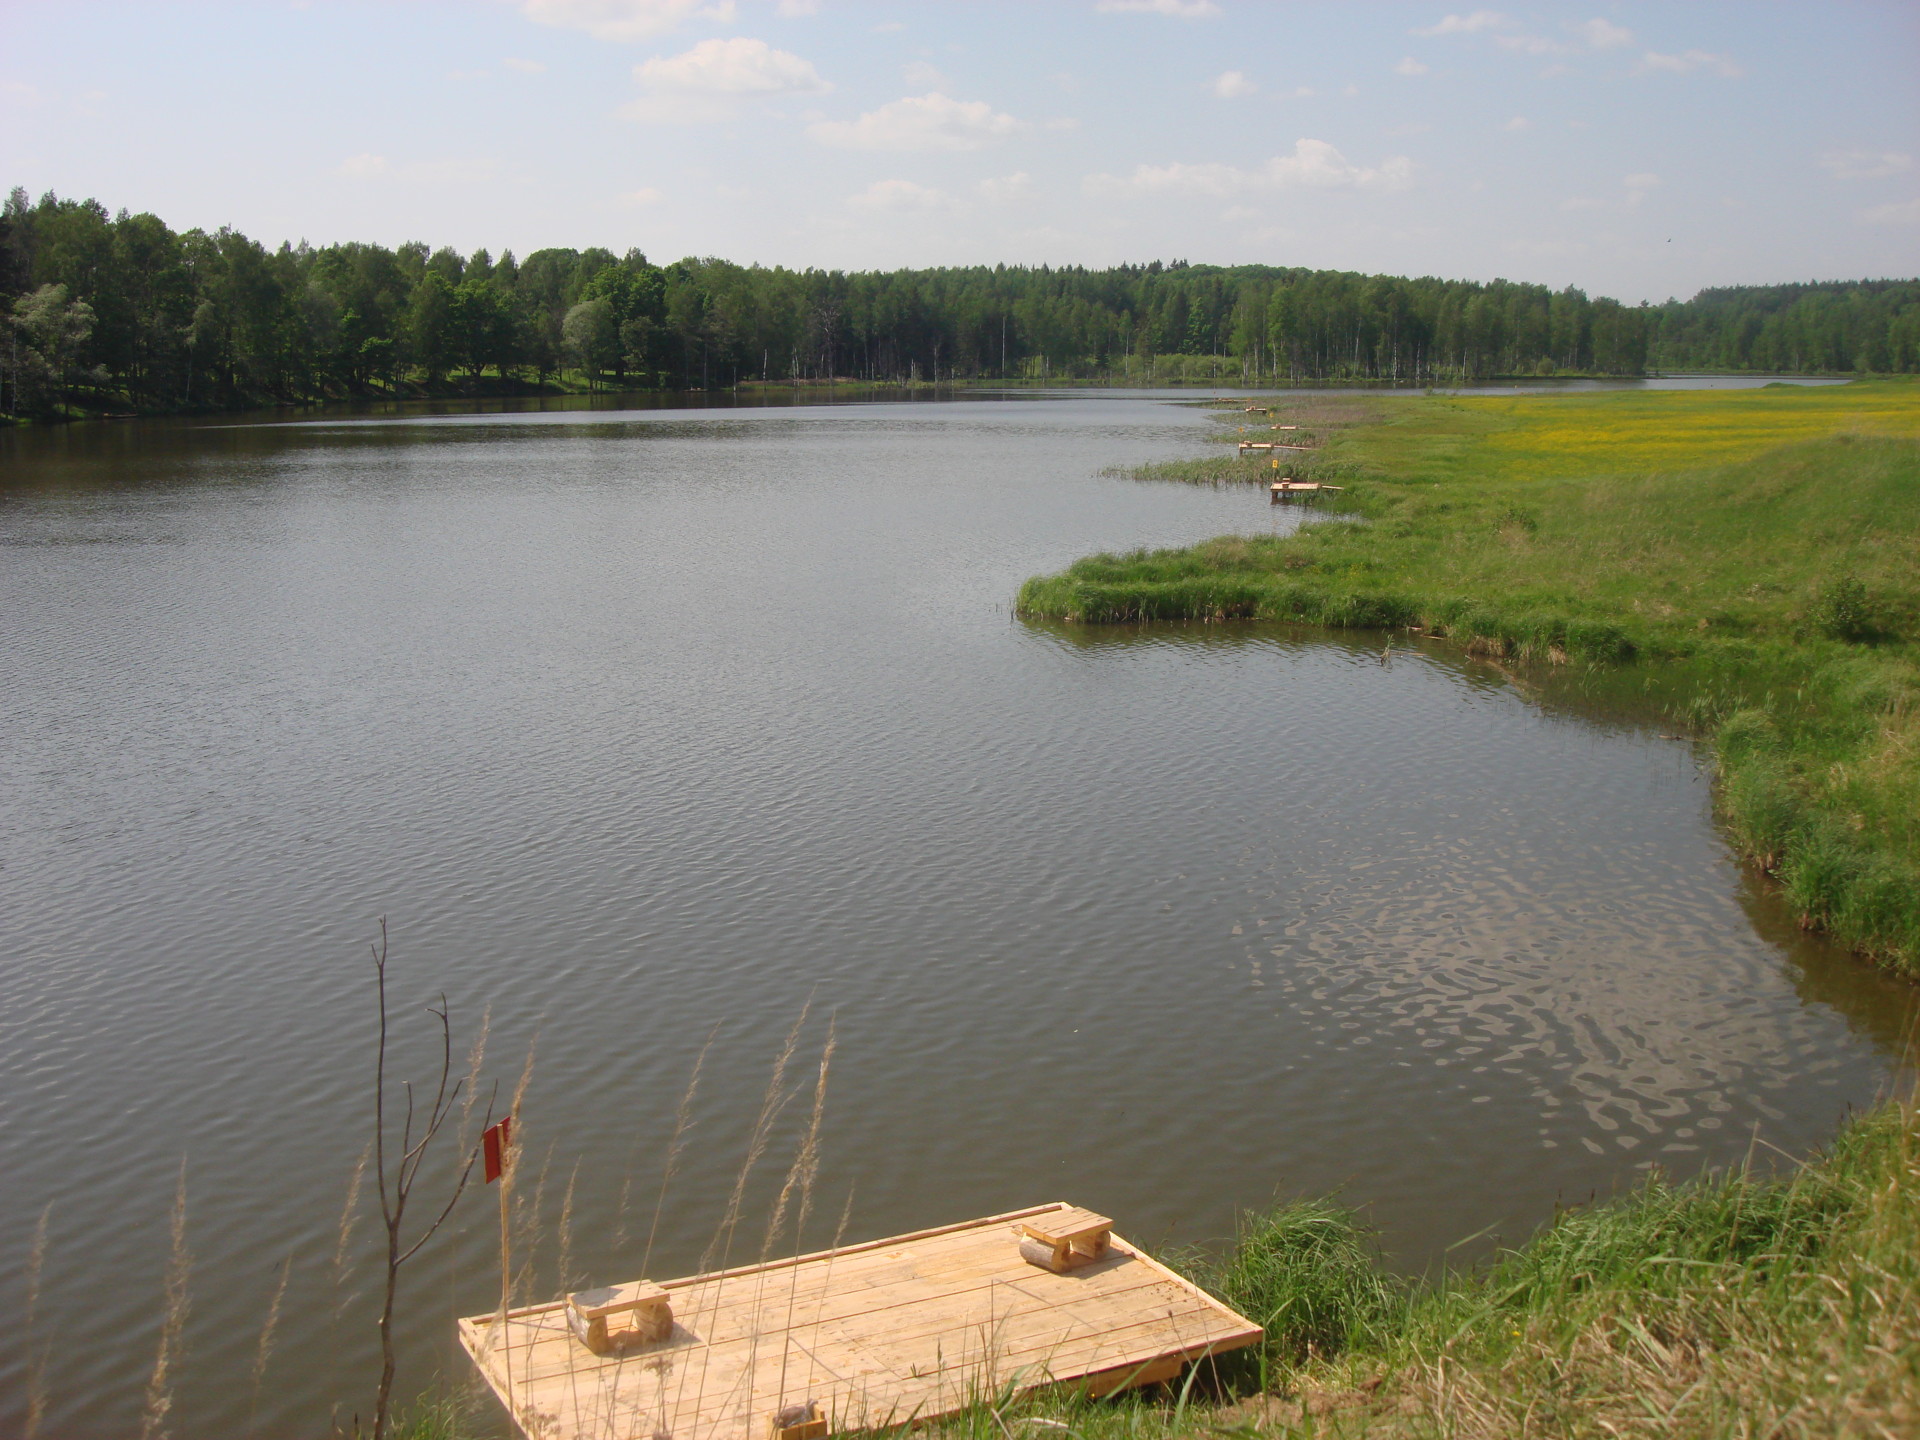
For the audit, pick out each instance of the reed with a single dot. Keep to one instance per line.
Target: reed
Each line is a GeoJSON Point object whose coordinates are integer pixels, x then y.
{"type": "Point", "coordinates": [670, 1161]}
{"type": "Point", "coordinates": [565, 1266]}
{"type": "Point", "coordinates": [263, 1351]}
{"type": "Point", "coordinates": [350, 1211]}
{"type": "Point", "coordinates": [37, 1350]}
{"type": "Point", "coordinates": [173, 1319]}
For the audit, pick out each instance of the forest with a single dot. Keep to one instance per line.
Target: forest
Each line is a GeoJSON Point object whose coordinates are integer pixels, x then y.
{"type": "Point", "coordinates": [118, 313]}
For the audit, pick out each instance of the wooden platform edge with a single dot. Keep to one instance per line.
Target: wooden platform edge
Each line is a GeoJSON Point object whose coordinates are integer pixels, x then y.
{"type": "Point", "coordinates": [476, 1339]}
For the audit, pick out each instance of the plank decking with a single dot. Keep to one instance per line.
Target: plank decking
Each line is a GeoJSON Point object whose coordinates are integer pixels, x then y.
{"type": "Point", "coordinates": [910, 1327]}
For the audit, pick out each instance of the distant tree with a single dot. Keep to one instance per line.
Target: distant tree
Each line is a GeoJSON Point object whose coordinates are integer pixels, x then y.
{"type": "Point", "coordinates": [46, 334]}
{"type": "Point", "coordinates": [432, 335]}
{"type": "Point", "coordinates": [592, 338]}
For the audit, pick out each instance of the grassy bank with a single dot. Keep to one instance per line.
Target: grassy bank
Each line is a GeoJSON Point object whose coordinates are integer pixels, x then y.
{"type": "Point", "coordinates": [1731, 1306]}
{"type": "Point", "coordinates": [1751, 558]}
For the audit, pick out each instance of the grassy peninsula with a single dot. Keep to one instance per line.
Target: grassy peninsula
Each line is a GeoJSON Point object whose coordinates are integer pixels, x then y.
{"type": "Point", "coordinates": [1746, 563]}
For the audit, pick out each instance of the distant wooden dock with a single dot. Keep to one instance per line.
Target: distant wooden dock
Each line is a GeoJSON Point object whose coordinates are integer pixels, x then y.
{"type": "Point", "coordinates": [907, 1328]}
{"type": "Point", "coordinates": [1290, 489]}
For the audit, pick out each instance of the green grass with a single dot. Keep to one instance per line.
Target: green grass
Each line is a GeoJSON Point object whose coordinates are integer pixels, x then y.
{"type": "Point", "coordinates": [1746, 562]}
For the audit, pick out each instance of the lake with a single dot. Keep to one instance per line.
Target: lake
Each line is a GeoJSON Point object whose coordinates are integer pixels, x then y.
{"type": "Point", "coordinates": [652, 732]}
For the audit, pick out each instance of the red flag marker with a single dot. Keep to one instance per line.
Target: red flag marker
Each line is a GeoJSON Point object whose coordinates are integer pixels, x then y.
{"type": "Point", "coordinates": [494, 1141]}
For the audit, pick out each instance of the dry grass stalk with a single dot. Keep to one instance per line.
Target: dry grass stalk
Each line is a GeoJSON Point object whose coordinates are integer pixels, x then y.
{"type": "Point", "coordinates": [676, 1144]}
{"type": "Point", "coordinates": [350, 1211]}
{"type": "Point", "coordinates": [173, 1320]}
{"type": "Point", "coordinates": [806, 1164]}
{"type": "Point", "coordinates": [770, 1106]}
{"type": "Point", "coordinates": [721, 1245]}
{"type": "Point", "coordinates": [511, 1166]}
{"type": "Point", "coordinates": [264, 1351]}
{"type": "Point", "coordinates": [37, 1358]}
{"type": "Point", "coordinates": [566, 1233]}
{"type": "Point", "coordinates": [476, 1058]}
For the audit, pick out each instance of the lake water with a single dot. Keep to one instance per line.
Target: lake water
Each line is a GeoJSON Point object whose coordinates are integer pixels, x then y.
{"type": "Point", "coordinates": [648, 727]}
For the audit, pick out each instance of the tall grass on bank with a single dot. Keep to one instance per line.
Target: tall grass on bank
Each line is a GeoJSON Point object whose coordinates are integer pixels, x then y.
{"type": "Point", "coordinates": [1736, 1305]}
{"type": "Point", "coordinates": [1757, 553]}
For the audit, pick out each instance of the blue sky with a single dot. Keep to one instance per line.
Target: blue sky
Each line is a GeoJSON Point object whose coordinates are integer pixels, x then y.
{"type": "Point", "coordinates": [1638, 150]}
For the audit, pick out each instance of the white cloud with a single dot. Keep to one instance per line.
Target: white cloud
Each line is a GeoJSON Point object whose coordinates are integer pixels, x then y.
{"type": "Point", "coordinates": [525, 67]}
{"type": "Point", "coordinates": [900, 197]}
{"type": "Point", "coordinates": [1232, 83]}
{"type": "Point", "coordinates": [17, 92]}
{"type": "Point", "coordinates": [733, 67]}
{"type": "Point", "coordinates": [919, 122]}
{"type": "Point", "coordinates": [636, 199]}
{"type": "Point", "coordinates": [1179, 9]}
{"type": "Point", "coordinates": [1466, 24]}
{"type": "Point", "coordinates": [1005, 189]}
{"type": "Point", "coordinates": [919, 73]}
{"type": "Point", "coordinates": [1602, 35]}
{"type": "Point", "coordinates": [796, 9]}
{"type": "Point", "coordinates": [1313, 165]}
{"type": "Point", "coordinates": [1063, 122]}
{"type": "Point", "coordinates": [625, 19]}
{"type": "Point", "coordinates": [1865, 164]}
{"type": "Point", "coordinates": [1530, 44]}
{"type": "Point", "coordinates": [1409, 66]}
{"type": "Point", "coordinates": [1304, 92]}
{"type": "Point", "coordinates": [1905, 212]}
{"type": "Point", "coordinates": [1412, 127]}
{"type": "Point", "coordinates": [1581, 202]}
{"type": "Point", "coordinates": [1518, 122]}
{"type": "Point", "coordinates": [1639, 186]}
{"type": "Point", "coordinates": [1687, 63]}
{"type": "Point", "coordinates": [363, 166]}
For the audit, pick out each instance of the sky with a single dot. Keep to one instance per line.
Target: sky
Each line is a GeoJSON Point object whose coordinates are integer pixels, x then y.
{"type": "Point", "coordinates": [1635, 150]}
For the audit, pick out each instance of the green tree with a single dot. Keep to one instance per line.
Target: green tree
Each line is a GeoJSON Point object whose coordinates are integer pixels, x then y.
{"type": "Point", "coordinates": [46, 334]}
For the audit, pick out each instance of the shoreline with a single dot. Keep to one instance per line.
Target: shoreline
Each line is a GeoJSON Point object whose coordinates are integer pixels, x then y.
{"type": "Point", "coordinates": [1743, 558]}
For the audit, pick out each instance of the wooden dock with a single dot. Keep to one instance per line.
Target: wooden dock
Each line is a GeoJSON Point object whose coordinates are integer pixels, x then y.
{"type": "Point", "coordinates": [1288, 489]}
{"type": "Point", "coordinates": [907, 1328]}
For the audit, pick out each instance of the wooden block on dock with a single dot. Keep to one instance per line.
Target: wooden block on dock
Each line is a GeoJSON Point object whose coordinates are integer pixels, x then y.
{"type": "Point", "coordinates": [649, 1305]}
{"type": "Point", "coordinates": [799, 1422]}
{"type": "Point", "coordinates": [1065, 1239]}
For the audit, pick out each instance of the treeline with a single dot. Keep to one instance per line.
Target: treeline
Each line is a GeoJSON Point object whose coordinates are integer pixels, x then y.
{"type": "Point", "coordinates": [1872, 325]}
{"type": "Point", "coordinates": [121, 312]}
